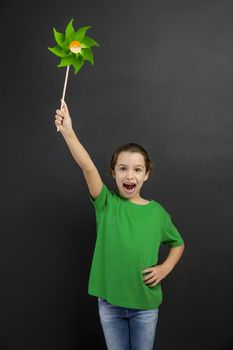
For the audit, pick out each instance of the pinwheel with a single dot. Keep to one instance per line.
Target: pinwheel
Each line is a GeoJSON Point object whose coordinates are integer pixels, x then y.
{"type": "Point", "coordinates": [73, 48]}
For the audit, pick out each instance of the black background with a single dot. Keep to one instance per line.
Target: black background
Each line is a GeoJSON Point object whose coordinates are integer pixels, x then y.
{"type": "Point", "coordinates": [163, 78]}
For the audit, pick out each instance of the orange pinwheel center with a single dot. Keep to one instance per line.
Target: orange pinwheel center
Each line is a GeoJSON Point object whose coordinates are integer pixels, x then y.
{"type": "Point", "coordinates": [75, 46]}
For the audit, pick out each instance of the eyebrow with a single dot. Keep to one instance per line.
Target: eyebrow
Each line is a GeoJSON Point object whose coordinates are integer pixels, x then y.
{"type": "Point", "coordinates": [138, 165]}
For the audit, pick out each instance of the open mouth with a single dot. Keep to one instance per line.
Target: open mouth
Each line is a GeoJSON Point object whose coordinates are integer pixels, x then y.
{"type": "Point", "coordinates": [129, 187]}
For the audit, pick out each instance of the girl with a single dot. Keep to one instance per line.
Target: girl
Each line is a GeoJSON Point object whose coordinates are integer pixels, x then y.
{"type": "Point", "coordinates": [124, 274]}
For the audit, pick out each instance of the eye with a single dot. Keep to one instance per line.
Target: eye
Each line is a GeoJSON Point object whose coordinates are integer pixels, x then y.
{"type": "Point", "coordinates": [138, 169]}
{"type": "Point", "coordinates": [123, 168]}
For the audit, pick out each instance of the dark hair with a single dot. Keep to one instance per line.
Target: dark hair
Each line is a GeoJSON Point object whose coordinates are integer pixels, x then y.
{"type": "Point", "coordinates": [130, 147]}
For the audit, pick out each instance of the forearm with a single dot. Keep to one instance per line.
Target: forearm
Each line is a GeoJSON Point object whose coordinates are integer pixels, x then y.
{"type": "Point", "coordinates": [78, 152]}
{"type": "Point", "coordinates": [173, 257]}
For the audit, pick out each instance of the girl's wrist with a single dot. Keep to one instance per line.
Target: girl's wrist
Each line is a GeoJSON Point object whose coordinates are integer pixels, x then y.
{"type": "Point", "coordinates": [68, 134]}
{"type": "Point", "coordinates": [168, 265]}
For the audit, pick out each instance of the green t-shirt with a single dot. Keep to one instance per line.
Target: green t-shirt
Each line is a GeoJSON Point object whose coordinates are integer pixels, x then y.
{"type": "Point", "coordinates": [128, 239]}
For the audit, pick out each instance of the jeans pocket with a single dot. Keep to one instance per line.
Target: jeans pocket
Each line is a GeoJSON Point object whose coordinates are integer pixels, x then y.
{"type": "Point", "coordinates": [101, 300]}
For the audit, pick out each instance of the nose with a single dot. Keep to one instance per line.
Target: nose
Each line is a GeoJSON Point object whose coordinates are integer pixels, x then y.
{"type": "Point", "coordinates": [129, 175]}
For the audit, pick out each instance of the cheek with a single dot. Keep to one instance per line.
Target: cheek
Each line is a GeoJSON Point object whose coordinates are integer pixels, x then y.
{"type": "Point", "coordinates": [141, 179]}
{"type": "Point", "coordinates": [119, 176]}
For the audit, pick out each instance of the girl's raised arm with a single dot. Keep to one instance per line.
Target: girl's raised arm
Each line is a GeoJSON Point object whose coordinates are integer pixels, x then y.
{"type": "Point", "coordinates": [90, 172]}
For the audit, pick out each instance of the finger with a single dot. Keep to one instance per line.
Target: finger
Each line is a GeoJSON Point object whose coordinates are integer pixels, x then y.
{"type": "Point", "coordinates": [148, 270]}
{"type": "Point", "coordinates": [148, 276]}
{"type": "Point", "coordinates": [151, 280]}
{"type": "Point", "coordinates": [59, 114]}
{"type": "Point", "coordinates": [62, 104]}
{"type": "Point", "coordinates": [65, 107]}
{"type": "Point", "coordinates": [153, 273]}
{"type": "Point", "coordinates": [57, 123]}
{"type": "Point", "coordinates": [155, 283]}
{"type": "Point", "coordinates": [60, 118]}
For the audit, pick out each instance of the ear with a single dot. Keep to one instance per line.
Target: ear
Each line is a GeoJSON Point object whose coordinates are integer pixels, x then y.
{"type": "Point", "coordinates": [113, 174]}
{"type": "Point", "coordinates": [147, 176]}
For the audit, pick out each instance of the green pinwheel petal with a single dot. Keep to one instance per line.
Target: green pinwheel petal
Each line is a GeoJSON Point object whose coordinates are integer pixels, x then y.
{"type": "Point", "coordinates": [58, 51]}
{"type": "Point", "coordinates": [59, 37]}
{"type": "Point", "coordinates": [67, 61]}
{"type": "Point", "coordinates": [79, 35]}
{"type": "Point", "coordinates": [78, 63]}
{"type": "Point", "coordinates": [88, 42]}
{"type": "Point", "coordinates": [62, 49]}
{"type": "Point", "coordinates": [69, 32]}
{"type": "Point", "coordinates": [87, 55]}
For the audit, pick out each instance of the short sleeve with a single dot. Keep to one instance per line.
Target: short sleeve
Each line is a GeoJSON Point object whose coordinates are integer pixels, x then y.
{"type": "Point", "coordinates": [100, 201]}
{"type": "Point", "coordinates": [171, 235]}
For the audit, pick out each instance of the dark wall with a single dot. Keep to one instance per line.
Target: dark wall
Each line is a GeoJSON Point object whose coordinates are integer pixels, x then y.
{"type": "Point", "coordinates": [163, 77]}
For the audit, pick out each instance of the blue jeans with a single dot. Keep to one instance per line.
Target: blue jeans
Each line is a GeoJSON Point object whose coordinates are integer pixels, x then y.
{"type": "Point", "coordinates": [127, 329]}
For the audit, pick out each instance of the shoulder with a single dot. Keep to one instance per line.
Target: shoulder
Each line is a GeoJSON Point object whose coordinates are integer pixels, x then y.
{"type": "Point", "coordinates": [159, 206]}
{"type": "Point", "coordinates": [161, 210]}
{"type": "Point", "coordinates": [105, 197]}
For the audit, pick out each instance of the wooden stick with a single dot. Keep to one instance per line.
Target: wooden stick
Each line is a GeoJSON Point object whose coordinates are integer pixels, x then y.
{"type": "Point", "coordinates": [64, 90]}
